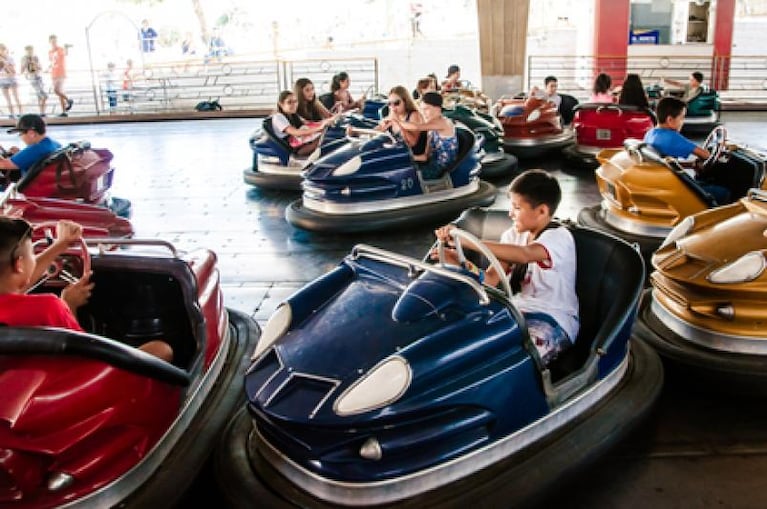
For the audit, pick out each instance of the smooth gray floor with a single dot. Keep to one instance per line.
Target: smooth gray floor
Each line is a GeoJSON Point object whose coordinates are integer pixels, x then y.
{"type": "Point", "coordinates": [184, 179]}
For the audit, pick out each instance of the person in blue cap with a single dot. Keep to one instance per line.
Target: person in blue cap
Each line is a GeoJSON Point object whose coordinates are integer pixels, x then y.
{"type": "Point", "coordinates": [32, 131]}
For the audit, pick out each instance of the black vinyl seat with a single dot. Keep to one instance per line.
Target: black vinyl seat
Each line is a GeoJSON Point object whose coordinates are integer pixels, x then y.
{"type": "Point", "coordinates": [610, 275]}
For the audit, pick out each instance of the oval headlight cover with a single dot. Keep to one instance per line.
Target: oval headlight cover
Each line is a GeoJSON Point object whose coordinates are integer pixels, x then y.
{"type": "Point", "coordinates": [382, 385]}
{"type": "Point", "coordinates": [746, 268]}
{"type": "Point", "coordinates": [275, 328]}
{"type": "Point", "coordinates": [349, 167]}
{"type": "Point", "coordinates": [534, 115]}
{"type": "Point", "coordinates": [679, 231]}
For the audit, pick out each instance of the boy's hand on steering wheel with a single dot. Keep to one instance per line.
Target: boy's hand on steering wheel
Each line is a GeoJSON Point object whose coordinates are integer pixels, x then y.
{"type": "Point", "coordinates": [78, 293]}
{"type": "Point", "coordinates": [68, 232]}
{"type": "Point", "coordinates": [443, 233]}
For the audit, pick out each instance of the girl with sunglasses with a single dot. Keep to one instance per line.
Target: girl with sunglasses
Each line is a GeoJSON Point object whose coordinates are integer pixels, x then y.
{"type": "Point", "coordinates": [402, 108]}
{"type": "Point", "coordinates": [442, 145]}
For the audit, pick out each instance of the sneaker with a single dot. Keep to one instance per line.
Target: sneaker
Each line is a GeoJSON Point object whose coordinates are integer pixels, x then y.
{"type": "Point", "coordinates": [63, 114]}
{"type": "Point", "coordinates": [70, 102]}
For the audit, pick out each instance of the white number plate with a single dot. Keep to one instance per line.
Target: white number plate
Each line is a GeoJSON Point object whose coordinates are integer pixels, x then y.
{"type": "Point", "coordinates": [603, 134]}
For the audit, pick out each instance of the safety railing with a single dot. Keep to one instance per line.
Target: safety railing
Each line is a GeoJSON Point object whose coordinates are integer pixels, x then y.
{"type": "Point", "coordinates": [738, 78]}
{"type": "Point", "coordinates": [170, 87]}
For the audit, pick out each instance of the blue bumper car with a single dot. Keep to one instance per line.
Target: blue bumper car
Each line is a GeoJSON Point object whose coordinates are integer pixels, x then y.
{"type": "Point", "coordinates": [495, 161]}
{"type": "Point", "coordinates": [390, 381]}
{"type": "Point", "coordinates": [275, 163]}
{"type": "Point", "coordinates": [374, 184]}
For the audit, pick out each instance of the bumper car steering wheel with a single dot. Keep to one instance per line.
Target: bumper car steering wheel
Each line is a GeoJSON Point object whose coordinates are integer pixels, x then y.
{"type": "Point", "coordinates": [715, 145]}
{"type": "Point", "coordinates": [68, 267]}
{"type": "Point", "coordinates": [358, 134]}
{"type": "Point", "coordinates": [459, 234]}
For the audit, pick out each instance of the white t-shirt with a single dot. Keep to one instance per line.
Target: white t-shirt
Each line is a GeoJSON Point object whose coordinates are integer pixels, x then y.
{"type": "Point", "coordinates": [280, 122]}
{"type": "Point", "coordinates": [549, 287]}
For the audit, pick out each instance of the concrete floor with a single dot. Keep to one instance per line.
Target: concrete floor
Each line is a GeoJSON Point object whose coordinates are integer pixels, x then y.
{"type": "Point", "coordinates": [184, 179]}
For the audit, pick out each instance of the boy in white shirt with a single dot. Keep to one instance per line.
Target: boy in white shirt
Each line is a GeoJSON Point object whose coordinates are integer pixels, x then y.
{"type": "Point", "coordinates": [540, 258]}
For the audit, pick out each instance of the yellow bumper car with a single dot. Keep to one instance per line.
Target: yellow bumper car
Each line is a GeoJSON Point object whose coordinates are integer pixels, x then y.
{"type": "Point", "coordinates": [705, 312]}
{"type": "Point", "coordinates": [645, 196]}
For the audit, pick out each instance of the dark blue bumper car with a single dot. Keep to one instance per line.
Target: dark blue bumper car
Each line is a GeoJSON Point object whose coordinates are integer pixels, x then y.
{"type": "Point", "coordinates": [494, 160]}
{"type": "Point", "coordinates": [390, 381]}
{"type": "Point", "coordinates": [374, 184]}
{"type": "Point", "coordinates": [275, 163]}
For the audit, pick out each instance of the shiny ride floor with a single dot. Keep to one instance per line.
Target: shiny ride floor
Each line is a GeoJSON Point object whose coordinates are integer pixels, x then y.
{"type": "Point", "coordinates": [184, 179]}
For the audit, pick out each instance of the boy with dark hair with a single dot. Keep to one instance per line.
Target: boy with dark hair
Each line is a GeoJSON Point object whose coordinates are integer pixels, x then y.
{"type": "Point", "coordinates": [543, 258]}
{"type": "Point", "coordinates": [692, 88]}
{"type": "Point", "coordinates": [668, 141]}
{"type": "Point", "coordinates": [20, 268]}
{"type": "Point", "coordinates": [549, 92]}
{"type": "Point", "coordinates": [31, 129]}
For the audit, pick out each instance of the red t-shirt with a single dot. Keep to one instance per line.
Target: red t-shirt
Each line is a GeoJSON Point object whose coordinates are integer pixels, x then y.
{"type": "Point", "coordinates": [57, 56]}
{"type": "Point", "coordinates": [36, 310]}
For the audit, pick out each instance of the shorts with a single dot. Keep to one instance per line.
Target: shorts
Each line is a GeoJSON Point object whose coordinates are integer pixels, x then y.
{"type": "Point", "coordinates": [548, 337]}
{"type": "Point", "coordinates": [37, 85]}
{"type": "Point", "coordinates": [6, 83]}
{"type": "Point", "coordinates": [112, 98]}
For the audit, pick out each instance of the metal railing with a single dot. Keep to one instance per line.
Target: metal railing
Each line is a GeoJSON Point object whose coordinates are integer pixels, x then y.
{"type": "Point", "coordinates": [168, 87]}
{"type": "Point", "coordinates": [742, 78]}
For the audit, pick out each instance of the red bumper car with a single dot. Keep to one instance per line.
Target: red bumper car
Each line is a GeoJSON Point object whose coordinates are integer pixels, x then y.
{"type": "Point", "coordinates": [86, 419]}
{"type": "Point", "coordinates": [532, 127]}
{"type": "Point", "coordinates": [74, 172]}
{"type": "Point", "coordinates": [97, 221]}
{"type": "Point", "coordinates": [605, 126]}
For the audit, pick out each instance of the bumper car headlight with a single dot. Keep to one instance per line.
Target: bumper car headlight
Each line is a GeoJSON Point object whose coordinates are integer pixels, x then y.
{"type": "Point", "coordinates": [275, 328]}
{"type": "Point", "coordinates": [534, 115]}
{"type": "Point", "coordinates": [746, 268]}
{"type": "Point", "coordinates": [679, 231]}
{"type": "Point", "coordinates": [349, 167]}
{"type": "Point", "coordinates": [384, 384]}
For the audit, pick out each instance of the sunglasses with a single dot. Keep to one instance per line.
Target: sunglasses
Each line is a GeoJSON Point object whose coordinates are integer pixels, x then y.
{"type": "Point", "coordinates": [395, 103]}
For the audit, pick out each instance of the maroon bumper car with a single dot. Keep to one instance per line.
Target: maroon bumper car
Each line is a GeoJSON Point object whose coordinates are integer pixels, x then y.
{"type": "Point", "coordinates": [86, 419]}
{"type": "Point", "coordinates": [74, 172]}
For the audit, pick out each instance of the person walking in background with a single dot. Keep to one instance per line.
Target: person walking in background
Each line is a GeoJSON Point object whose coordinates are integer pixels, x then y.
{"type": "Point", "coordinates": [127, 85]}
{"type": "Point", "coordinates": [58, 68]}
{"type": "Point", "coordinates": [148, 36]}
{"type": "Point", "coordinates": [30, 66]}
{"type": "Point", "coordinates": [109, 79]}
{"type": "Point", "coordinates": [416, 11]}
{"type": "Point", "coordinates": [8, 82]}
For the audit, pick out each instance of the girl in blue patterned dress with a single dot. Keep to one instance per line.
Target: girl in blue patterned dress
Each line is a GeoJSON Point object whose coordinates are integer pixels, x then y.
{"type": "Point", "coordinates": [442, 148]}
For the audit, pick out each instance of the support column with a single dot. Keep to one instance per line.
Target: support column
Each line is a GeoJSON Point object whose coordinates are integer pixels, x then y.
{"type": "Point", "coordinates": [723, 28]}
{"type": "Point", "coordinates": [502, 45]}
{"type": "Point", "coordinates": [611, 36]}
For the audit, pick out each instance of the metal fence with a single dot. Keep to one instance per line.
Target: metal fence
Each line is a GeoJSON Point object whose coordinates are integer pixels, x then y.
{"type": "Point", "coordinates": [745, 81]}
{"type": "Point", "coordinates": [178, 86]}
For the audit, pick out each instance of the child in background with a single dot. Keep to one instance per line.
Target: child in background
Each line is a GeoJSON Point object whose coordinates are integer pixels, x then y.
{"type": "Point", "coordinates": [30, 66]}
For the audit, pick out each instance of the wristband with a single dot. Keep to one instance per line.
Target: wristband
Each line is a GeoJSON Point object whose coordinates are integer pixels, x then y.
{"type": "Point", "coordinates": [467, 265]}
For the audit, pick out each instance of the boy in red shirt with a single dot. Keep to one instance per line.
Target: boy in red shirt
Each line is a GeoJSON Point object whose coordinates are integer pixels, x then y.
{"type": "Point", "coordinates": [20, 268]}
{"type": "Point", "coordinates": [57, 57]}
